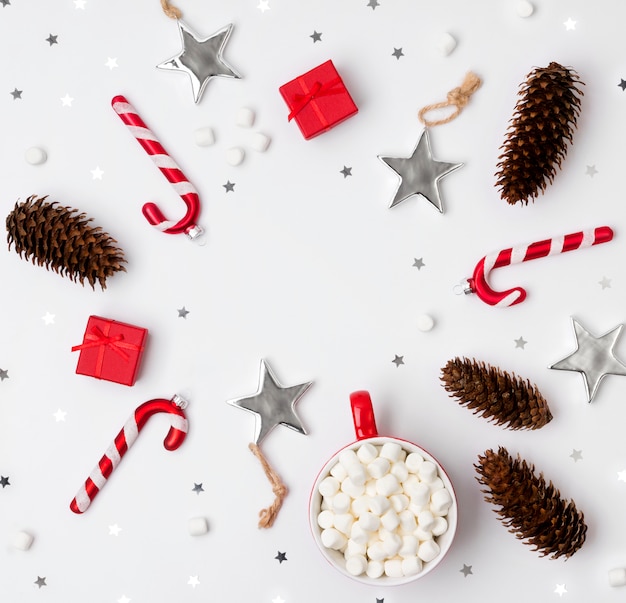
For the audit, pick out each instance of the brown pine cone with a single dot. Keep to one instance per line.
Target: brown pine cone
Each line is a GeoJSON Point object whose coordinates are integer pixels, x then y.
{"type": "Point", "coordinates": [62, 240]}
{"type": "Point", "coordinates": [532, 509]}
{"type": "Point", "coordinates": [495, 394]}
{"type": "Point", "coordinates": [536, 140]}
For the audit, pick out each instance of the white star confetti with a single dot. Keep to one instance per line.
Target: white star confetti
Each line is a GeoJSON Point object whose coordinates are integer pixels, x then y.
{"type": "Point", "coordinates": [123, 599]}
{"type": "Point", "coordinates": [263, 5]}
{"type": "Point", "coordinates": [560, 589]}
{"type": "Point", "coordinates": [621, 475]}
{"type": "Point", "coordinates": [577, 455]}
{"type": "Point", "coordinates": [193, 581]}
{"type": "Point", "coordinates": [59, 415]}
{"type": "Point", "coordinates": [570, 24]}
{"type": "Point", "coordinates": [114, 530]}
{"type": "Point", "coordinates": [67, 100]}
{"type": "Point", "coordinates": [97, 173]}
{"type": "Point", "coordinates": [591, 170]}
{"type": "Point", "coordinates": [48, 319]}
{"type": "Point", "coordinates": [111, 63]}
{"type": "Point", "coordinates": [605, 283]}
{"type": "Point", "coordinates": [278, 600]}
{"type": "Point", "coordinates": [80, 4]}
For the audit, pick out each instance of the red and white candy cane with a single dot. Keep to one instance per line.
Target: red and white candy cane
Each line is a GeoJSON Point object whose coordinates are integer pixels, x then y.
{"type": "Point", "coordinates": [125, 439]}
{"type": "Point", "coordinates": [523, 253]}
{"type": "Point", "coordinates": [169, 168]}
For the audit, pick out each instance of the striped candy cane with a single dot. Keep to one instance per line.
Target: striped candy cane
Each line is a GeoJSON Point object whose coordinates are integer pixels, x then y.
{"type": "Point", "coordinates": [523, 253]}
{"type": "Point", "coordinates": [125, 439]}
{"type": "Point", "coordinates": [169, 168]}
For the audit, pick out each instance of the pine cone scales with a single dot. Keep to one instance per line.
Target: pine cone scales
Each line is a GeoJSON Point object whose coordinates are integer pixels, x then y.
{"type": "Point", "coordinates": [496, 395]}
{"type": "Point", "coordinates": [62, 240]}
{"type": "Point", "coordinates": [536, 140]}
{"type": "Point", "coordinates": [532, 509]}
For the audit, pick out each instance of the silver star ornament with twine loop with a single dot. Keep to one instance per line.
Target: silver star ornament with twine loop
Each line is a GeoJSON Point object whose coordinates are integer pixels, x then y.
{"type": "Point", "coordinates": [421, 172]}
{"type": "Point", "coordinates": [201, 59]}
{"type": "Point", "coordinates": [272, 405]}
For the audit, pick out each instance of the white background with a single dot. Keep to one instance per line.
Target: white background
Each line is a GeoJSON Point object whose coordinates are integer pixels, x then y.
{"type": "Point", "coordinates": [311, 271]}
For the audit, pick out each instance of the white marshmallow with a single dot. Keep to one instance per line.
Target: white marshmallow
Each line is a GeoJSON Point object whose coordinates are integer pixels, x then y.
{"type": "Point", "coordinates": [358, 474]}
{"type": "Point", "coordinates": [367, 453]}
{"type": "Point", "coordinates": [356, 565]}
{"type": "Point", "coordinates": [393, 568]}
{"type": "Point", "coordinates": [379, 467]}
{"type": "Point", "coordinates": [329, 486]}
{"type": "Point", "coordinates": [392, 544]}
{"type": "Point", "coordinates": [375, 569]}
{"type": "Point", "coordinates": [35, 156]}
{"type": "Point", "coordinates": [418, 492]}
{"type": "Point", "coordinates": [427, 471]}
{"type": "Point", "coordinates": [446, 44]}
{"type": "Point", "coordinates": [413, 461]}
{"type": "Point", "coordinates": [407, 521]}
{"type": "Point", "coordinates": [341, 502]}
{"type": "Point", "coordinates": [333, 539]}
{"type": "Point", "coordinates": [360, 505]}
{"type": "Point", "coordinates": [343, 522]}
{"type": "Point", "coordinates": [325, 506]}
{"type": "Point", "coordinates": [22, 540]}
{"type": "Point", "coordinates": [369, 522]}
{"type": "Point", "coordinates": [339, 472]}
{"type": "Point", "coordinates": [409, 546]}
{"type": "Point", "coordinates": [422, 535]}
{"type": "Point", "coordinates": [617, 576]}
{"type": "Point", "coordinates": [525, 8]}
{"type": "Point", "coordinates": [348, 458]}
{"type": "Point", "coordinates": [379, 504]}
{"type": "Point", "coordinates": [204, 136]}
{"type": "Point", "coordinates": [390, 520]}
{"type": "Point", "coordinates": [245, 117]}
{"type": "Point", "coordinates": [411, 565]}
{"type": "Point", "coordinates": [235, 155]}
{"type": "Point", "coordinates": [326, 519]}
{"type": "Point", "coordinates": [196, 526]}
{"type": "Point", "coordinates": [440, 526]}
{"type": "Point", "coordinates": [359, 534]}
{"type": "Point", "coordinates": [428, 550]}
{"type": "Point", "coordinates": [388, 485]}
{"type": "Point", "coordinates": [376, 551]}
{"type": "Point", "coordinates": [260, 142]}
{"type": "Point", "coordinates": [440, 502]}
{"type": "Point", "coordinates": [436, 484]}
{"type": "Point", "coordinates": [392, 451]}
{"type": "Point", "coordinates": [354, 548]}
{"type": "Point", "coordinates": [399, 502]}
{"type": "Point", "coordinates": [399, 469]}
{"type": "Point", "coordinates": [370, 488]}
{"type": "Point", "coordinates": [351, 489]}
{"type": "Point", "coordinates": [425, 521]}
{"type": "Point", "coordinates": [425, 323]}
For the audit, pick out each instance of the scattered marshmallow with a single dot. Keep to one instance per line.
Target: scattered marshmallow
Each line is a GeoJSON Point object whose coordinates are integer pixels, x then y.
{"type": "Point", "coordinates": [375, 569]}
{"type": "Point", "coordinates": [367, 453]}
{"type": "Point", "coordinates": [356, 565]}
{"type": "Point", "coordinates": [197, 526]}
{"type": "Point", "coordinates": [411, 566]}
{"type": "Point", "coordinates": [235, 155]}
{"type": "Point", "coordinates": [329, 486]}
{"type": "Point", "coordinates": [339, 471]}
{"type": "Point", "coordinates": [525, 8]}
{"type": "Point", "coordinates": [35, 156]}
{"type": "Point", "coordinates": [358, 474]}
{"type": "Point", "coordinates": [409, 546]}
{"type": "Point", "coordinates": [341, 502]}
{"type": "Point", "coordinates": [440, 526]}
{"type": "Point", "coordinates": [425, 323]}
{"type": "Point", "coordinates": [428, 550]}
{"type": "Point", "coordinates": [245, 117]}
{"type": "Point", "coordinates": [379, 504]}
{"type": "Point", "coordinates": [348, 458]}
{"type": "Point", "coordinates": [399, 502]}
{"type": "Point", "coordinates": [440, 502]}
{"type": "Point", "coordinates": [22, 540]}
{"type": "Point", "coordinates": [392, 452]}
{"type": "Point", "coordinates": [427, 471]}
{"type": "Point", "coordinates": [326, 519]}
{"type": "Point", "coordinates": [400, 470]}
{"type": "Point", "coordinates": [204, 136]}
{"type": "Point", "coordinates": [359, 534]}
{"type": "Point", "coordinates": [617, 576]}
{"type": "Point", "coordinates": [351, 488]}
{"type": "Point", "coordinates": [413, 461]}
{"type": "Point", "coordinates": [333, 539]}
{"type": "Point", "coordinates": [392, 544]}
{"type": "Point", "coordinates": [376, 551]}
{"type": "Point", "coordinates": [388, 485]}
{"type": "Point", "coordinates": [343, 522]}
{"type": "Point", "coordinates": [260, 142]}
{"type": "Point", "coordinates": [378, 467]}
{"type": "Point", "coordinates": [393, 568]}
{"type": "Point", "coordinates": [390, 520]}
{"type": "Point", "coordinates": [369, 521]}
{"type": "Point", "coordinates": [446, 44]}
{"type": "Point", "coordinates": [425, 520]}
{"type": "Point", "coordinates": [360, 505]}
{"type": "Point", "coordinates": [355, 548]}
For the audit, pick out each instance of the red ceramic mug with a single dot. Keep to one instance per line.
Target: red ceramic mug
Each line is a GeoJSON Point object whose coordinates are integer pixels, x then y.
{"type": "Point", "coordinates": [368, 438]}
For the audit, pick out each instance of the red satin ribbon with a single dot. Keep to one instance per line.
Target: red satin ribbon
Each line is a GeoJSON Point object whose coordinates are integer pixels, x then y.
{"type": "Point", "coordinates": [98, 338]}
{"type": "Point", "coordinates": [318, 89]}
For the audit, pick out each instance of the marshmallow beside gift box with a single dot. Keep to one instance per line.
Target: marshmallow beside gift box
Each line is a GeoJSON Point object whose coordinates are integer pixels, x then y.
{"type": "Point", "coordinates": [111, 350]}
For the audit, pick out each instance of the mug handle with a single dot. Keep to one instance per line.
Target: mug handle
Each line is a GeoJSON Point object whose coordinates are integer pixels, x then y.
{"type": "Point", "coordinates": [363, 415]}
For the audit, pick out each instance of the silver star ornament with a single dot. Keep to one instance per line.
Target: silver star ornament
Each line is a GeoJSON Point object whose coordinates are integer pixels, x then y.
{"type": "Point", "coordinates": [273, 404]}
{"type": "Point", "coordinates": [420, 173]}
{"type": "Point", "coordinates": [593, 358]}
{"type": "Point", "coordinates": [201, 59]}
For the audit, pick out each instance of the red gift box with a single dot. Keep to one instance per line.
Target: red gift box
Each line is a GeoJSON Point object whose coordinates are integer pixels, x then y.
{"type": "Point", "coordinates": [318, 100]}
{"type": "Point", "coordinates": [111, 350]}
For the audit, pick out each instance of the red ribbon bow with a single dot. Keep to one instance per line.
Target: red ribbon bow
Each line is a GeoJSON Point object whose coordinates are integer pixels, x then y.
{"type": "Point", "coordinates": [97, 338]}
{"type": "Point", "coordinates": [318, 89]}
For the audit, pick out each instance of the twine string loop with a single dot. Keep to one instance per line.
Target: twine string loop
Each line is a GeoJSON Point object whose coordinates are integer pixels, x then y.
{"type": "Point", "coordinates": [457, 98]}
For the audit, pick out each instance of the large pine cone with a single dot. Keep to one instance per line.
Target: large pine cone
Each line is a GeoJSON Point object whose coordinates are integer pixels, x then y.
{"type": "Point", "coordinates": [531, 508]}
{"type": "Point", "coordinates": [502, 398]}
{"type": "Point", "coordinates": [541, 126]}
{"type": "Point", "coordinates": [61, 239]}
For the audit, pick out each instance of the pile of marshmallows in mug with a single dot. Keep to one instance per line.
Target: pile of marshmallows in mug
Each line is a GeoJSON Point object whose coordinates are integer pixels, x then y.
{"type": "Point", "coordinates": [383, 509]}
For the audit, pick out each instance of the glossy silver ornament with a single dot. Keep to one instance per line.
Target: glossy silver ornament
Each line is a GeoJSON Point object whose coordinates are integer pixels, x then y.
{"type": "Point", "coordinates": [420, 173]}
{"type": "Point", "coordinates": [201, 59]}
{"type": "Point", "coordinates": [273, 404]}
{"type": "Point", "coordinates": [593, 358]}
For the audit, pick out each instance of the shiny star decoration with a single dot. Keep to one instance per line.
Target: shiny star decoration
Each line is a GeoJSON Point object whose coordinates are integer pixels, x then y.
{"type": "Point", "coordinates": [593, 358]}
{"type": "Point", "coordinates": [577, 455]}
{"type": "Point", "coordinates": [420, 173]}
{"type": "Point", "coordinates": [273, 404]}
{"type": "Point", "coordinates": [263, 5]}
{"type": "Point", "coordinates": [346, 171]}
{"type": "Point", "coordinates": [466, 570]}
{"type": "Point", "coordinates": [622, 84]}
{"type": "Point", "coordinates": [278, 599]}
{"type": "Point", "coordinates": [316, 36]}
{"type": "Point", "coordinates": [5, 3]}
{"type": "Point", "coordinates": [80, 4]}
{"type": "Point", "coordinates": [4, 374]}
{"type": "Point", "coordinates": [560, 590]}
{"type": "Point", "coordinates": [418, 263]}
{"type": "Point", "coordinates": [229, 186]}
{"type": "Point", "coordinates": [123, 599]}
{"type": "Point", "coordinates": [201, 59]}
{"type": "Point", "coordinates": [373, 4]}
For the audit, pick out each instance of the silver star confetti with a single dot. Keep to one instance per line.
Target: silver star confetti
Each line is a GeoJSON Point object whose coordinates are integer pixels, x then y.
{"type": "Point", "coordinates": [593, 358]}
{"type": "Point", "coordinates": [273, 404]}
{"type": "Point", "coordinates": [201, 59]}
{"type": "Point", "coordinates": [419, 173]}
